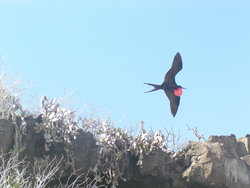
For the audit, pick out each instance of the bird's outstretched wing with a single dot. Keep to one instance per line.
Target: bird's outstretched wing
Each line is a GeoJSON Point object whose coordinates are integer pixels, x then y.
{"type": "Point", "coordinates": [176, 67]}
{"type": "Point", "coordinates": [174, 102]}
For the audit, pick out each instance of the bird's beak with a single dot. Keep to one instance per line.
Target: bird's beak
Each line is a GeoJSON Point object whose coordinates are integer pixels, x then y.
{"type": "Point", "coordinates": [184, 88]}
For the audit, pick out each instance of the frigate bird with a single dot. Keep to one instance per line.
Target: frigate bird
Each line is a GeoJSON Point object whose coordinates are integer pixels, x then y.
{"type": "Point", "coordinates": [172, 90]}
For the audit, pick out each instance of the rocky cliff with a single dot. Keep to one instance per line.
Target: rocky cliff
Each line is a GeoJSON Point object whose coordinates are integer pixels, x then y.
{"type": "Point", "coordinates": [219, 162]}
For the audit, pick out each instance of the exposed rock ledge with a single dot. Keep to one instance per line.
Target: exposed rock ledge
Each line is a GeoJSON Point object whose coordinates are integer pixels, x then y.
{"type": "Point", "coordinates": [219, 162]}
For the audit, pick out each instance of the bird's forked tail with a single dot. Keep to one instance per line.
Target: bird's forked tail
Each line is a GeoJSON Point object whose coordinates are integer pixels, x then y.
{"type": "Point", "coordinates": [156, 87]}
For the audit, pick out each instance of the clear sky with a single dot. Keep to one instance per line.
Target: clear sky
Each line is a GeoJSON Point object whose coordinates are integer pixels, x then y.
{"type": "Point", "coordinates": [105, 50]}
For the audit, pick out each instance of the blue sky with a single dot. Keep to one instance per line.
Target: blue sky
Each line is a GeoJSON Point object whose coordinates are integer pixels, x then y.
{"type": "Point", "coordinates": [105, 51]}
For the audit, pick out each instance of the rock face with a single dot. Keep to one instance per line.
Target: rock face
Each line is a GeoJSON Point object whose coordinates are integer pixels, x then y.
{"type": "Point", "coordinates": [216, 163]}
{"type": "Point", "coordinates": [219, 162]}
{"type": "Point", "coordinates": [244, 145]}
{"type": "Point", "coordinates": [6, 135]}
{"type": "Point", "coordinates": [85, 152]}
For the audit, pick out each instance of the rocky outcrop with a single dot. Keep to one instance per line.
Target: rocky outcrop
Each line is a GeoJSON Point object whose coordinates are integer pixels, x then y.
{"type": "Point", "coordinates": [216, 163]}
{"type": "Point", "coordinates": [219, 162]}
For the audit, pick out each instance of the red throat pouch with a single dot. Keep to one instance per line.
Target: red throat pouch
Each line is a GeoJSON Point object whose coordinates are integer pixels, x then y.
{"type": "Point", "coordinates": [178, 92]}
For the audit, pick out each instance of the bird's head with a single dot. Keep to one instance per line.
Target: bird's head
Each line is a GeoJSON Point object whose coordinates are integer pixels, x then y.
{"type": "Point", "coordinates": [178, 91]}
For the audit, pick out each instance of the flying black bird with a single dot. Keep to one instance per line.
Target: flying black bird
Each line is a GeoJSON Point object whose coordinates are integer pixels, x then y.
{"type": "Point", "coordinates": [172, 90]}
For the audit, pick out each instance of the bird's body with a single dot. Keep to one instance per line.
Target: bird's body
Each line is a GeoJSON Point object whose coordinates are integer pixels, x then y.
{"type": "Point", "coordinates": [172, 90]}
